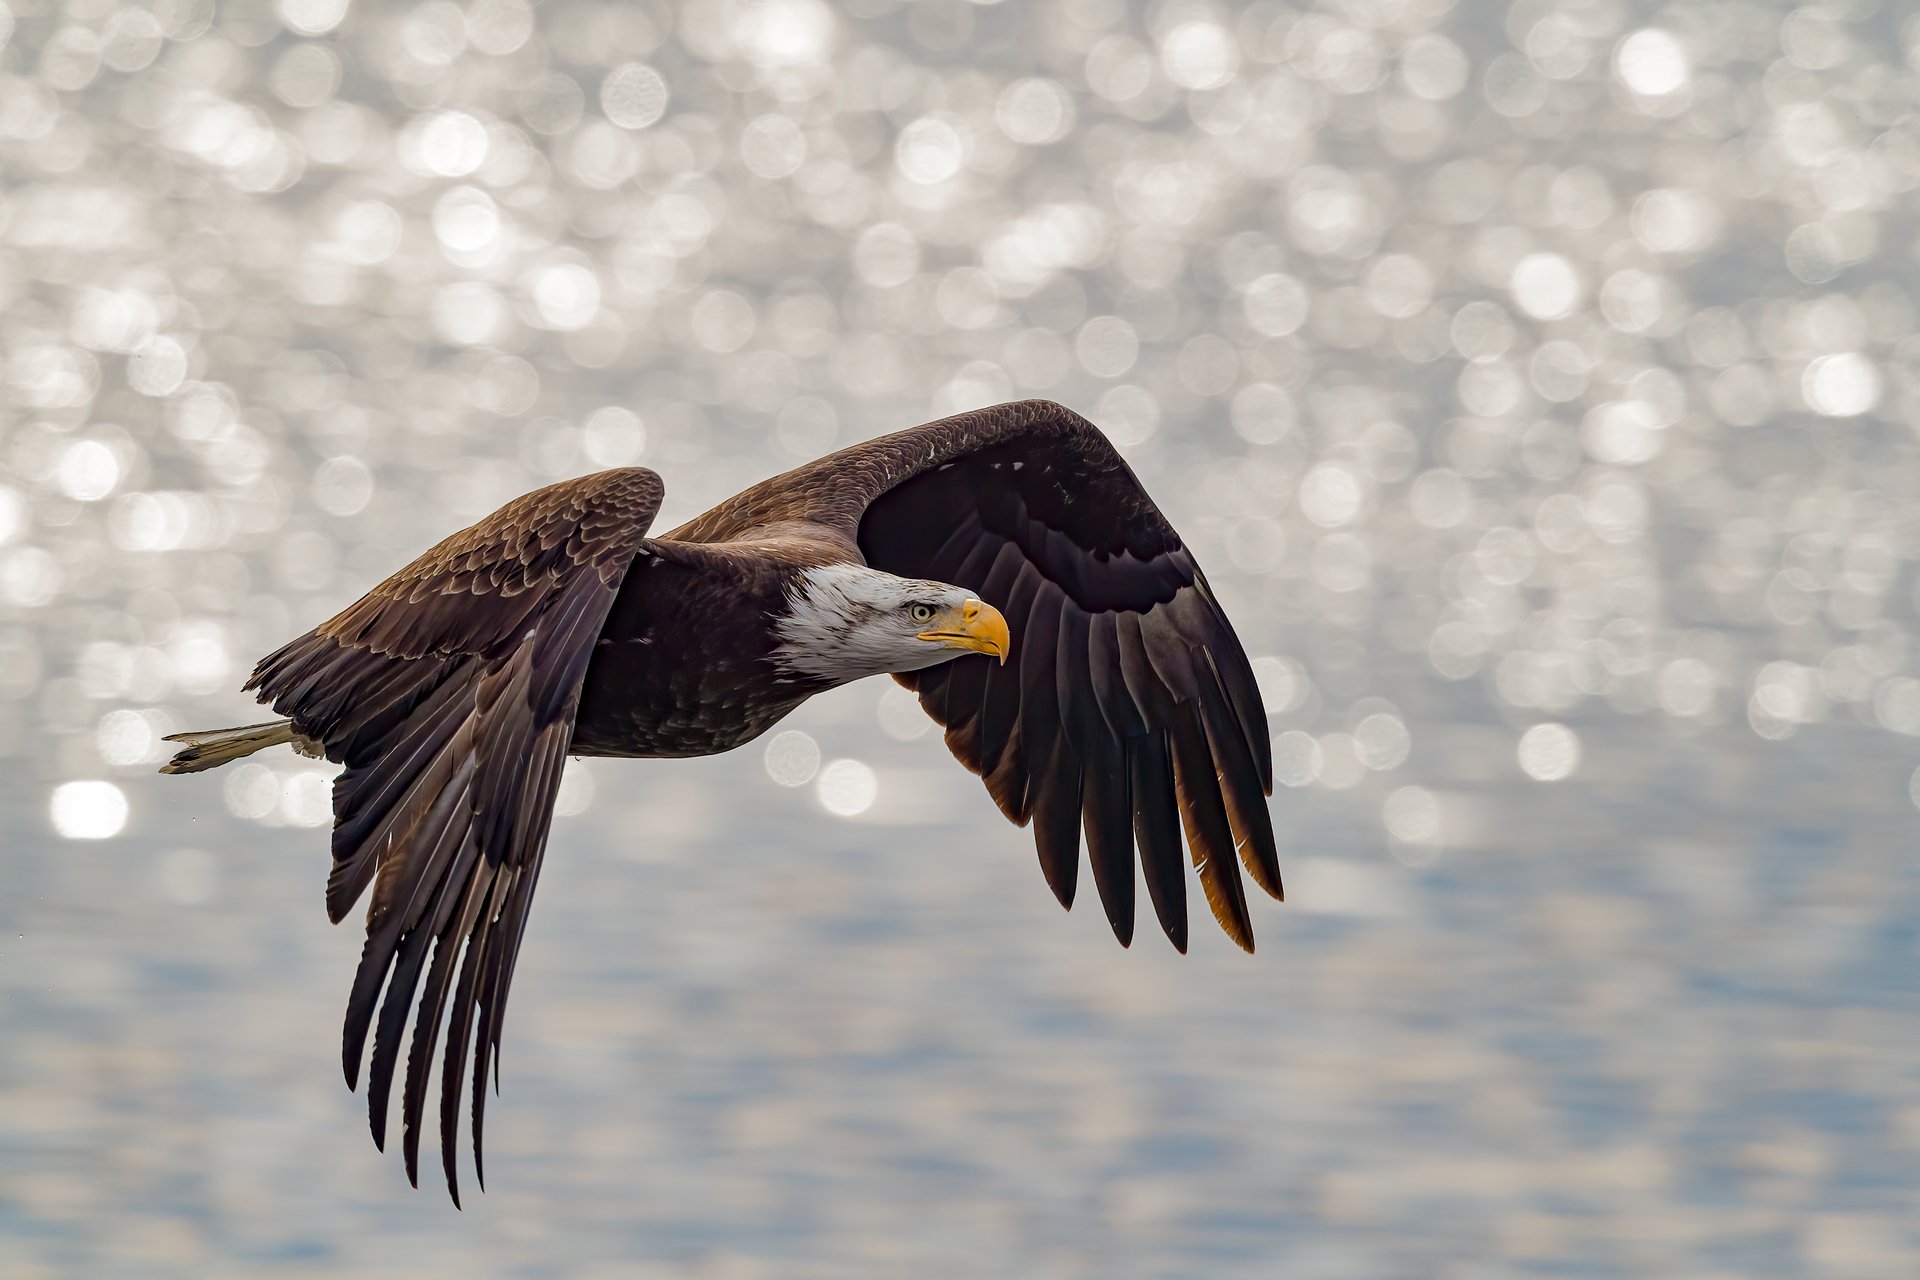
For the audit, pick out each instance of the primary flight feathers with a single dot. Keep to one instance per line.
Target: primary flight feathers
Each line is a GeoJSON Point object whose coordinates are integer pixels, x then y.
{"type": "Point", "coordinates": [1121, 704]}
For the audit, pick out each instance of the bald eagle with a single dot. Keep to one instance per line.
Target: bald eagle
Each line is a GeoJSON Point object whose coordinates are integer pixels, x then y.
{"type": "Point", "coordinates": [1004, 564]}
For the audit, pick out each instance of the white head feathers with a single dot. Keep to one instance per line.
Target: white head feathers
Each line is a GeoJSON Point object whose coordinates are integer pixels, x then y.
{"type": "Point", "coordinates": [847, 621]}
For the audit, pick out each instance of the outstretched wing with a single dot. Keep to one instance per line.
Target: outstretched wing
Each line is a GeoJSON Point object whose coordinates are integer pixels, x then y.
{"type": "Point", "coordinates": [1127, 706]}
{"type": "Point", "coordinates": [449, 692]}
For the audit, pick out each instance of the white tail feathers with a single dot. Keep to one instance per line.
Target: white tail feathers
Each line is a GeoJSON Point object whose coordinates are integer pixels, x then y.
{"type": "Point", "coordinates": [211, 748]}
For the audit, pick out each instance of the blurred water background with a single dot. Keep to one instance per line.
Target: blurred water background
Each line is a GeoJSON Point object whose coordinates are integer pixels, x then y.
{"type": "Point", "coordinates": [1536, 382]}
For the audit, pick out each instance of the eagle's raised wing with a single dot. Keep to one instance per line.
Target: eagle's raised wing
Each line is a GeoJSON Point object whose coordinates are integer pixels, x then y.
{"type": "Point", "coordinates": [1127, 705]}
{"type": "Point", "coordinates": [449, 693]}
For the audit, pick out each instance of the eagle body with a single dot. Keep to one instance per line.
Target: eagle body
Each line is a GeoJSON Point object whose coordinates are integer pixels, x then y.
{"type": "Point", "coordinates": [1005, 565]}
{"type": "Point", "coordinates": [685, 663]}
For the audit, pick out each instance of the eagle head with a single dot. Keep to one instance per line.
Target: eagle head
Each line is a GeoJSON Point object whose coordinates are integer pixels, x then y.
{"type": "Point", "coordinates": [846, 621]}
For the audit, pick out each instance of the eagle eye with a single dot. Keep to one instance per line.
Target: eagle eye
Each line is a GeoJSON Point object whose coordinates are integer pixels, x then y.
{"type": "Point", "coordinates": [920, 612]}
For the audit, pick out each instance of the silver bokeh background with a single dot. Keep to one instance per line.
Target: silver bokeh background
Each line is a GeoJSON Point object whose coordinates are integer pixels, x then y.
{"type": "Point", "coordinates": [1536, 382]}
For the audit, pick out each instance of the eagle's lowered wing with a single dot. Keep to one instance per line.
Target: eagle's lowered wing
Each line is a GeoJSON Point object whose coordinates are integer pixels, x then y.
{"type": "Point", "coordinates": [449, 693]}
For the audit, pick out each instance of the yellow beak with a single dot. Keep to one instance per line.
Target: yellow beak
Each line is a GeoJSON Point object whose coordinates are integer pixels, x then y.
{"type": "Point", "coordinates": [977, 627]}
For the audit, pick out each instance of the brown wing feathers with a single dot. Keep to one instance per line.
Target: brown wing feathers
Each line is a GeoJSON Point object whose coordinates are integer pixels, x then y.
{"type": "Point", "coordinates": [1128, 708]}
{"type": "Point", "coordinates": [449, 692]}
